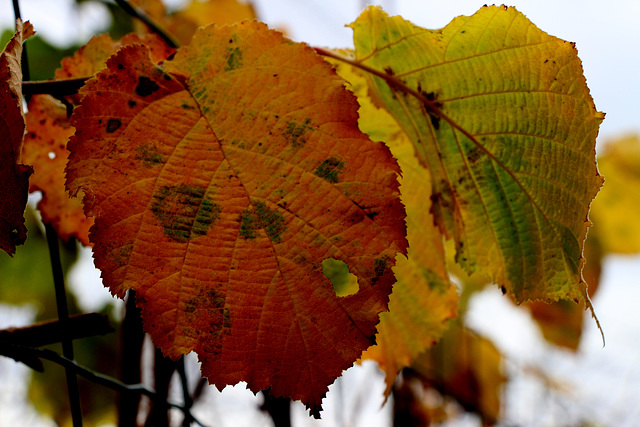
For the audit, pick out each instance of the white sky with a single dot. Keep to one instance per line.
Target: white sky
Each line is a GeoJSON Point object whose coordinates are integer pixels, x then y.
{"type": "Point", "coordinates": [606, 34]}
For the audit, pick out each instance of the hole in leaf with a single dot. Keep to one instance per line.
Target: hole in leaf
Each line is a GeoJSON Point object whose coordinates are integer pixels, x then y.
{"type": "Point", "coordinates": [52, 155]}
{"type": "Point", "coordinates": [344, 283]}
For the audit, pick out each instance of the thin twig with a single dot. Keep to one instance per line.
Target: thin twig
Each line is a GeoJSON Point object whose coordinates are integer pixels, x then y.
{"type": "Point", "coordinates": [188, 401]}
{"type": "Point", "coordinates": [132, 338]}
{"type": "Point", "coordinates": [53, 331]}
{"type": "Point", "coordinates": [98, 378]}
{"type": "Point", "coordinates": [169, 39]}
{"type": "Point", "coordinates": [54, 88]}
{"type": "Point", "coordinates": [63, 315]}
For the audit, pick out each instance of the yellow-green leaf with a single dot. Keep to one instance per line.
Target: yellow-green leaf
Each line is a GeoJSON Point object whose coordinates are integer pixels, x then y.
{"type": "Point", "coordinates": [499, 112]}
{"type": "Point", "coordinates": [423, 299]}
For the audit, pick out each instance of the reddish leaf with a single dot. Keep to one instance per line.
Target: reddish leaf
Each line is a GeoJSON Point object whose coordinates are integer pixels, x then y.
{"type": "Point", "coordinates": [13, 175]}
{"type": "Point", "coordinates": [92, 57]}
{"type": "Point", "coordinates": [220, 216]}
{"type": "Point", "coordinates": [45, 147]}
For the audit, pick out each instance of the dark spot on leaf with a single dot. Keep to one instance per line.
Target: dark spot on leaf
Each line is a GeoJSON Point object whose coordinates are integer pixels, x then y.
{"type": "Point", "coordinates": [184, 211]}
{"type": "Point", "coordinates": [329, 169]}
{"type": "Point", "coordinates": [372, 215]}
{"type": "Point", "coordinates": [435, 121]}
{"type": "Point", "coordinates": [113, 125]}
{"type": "Point", "coordinates": [380, 267]}
{"type": "Point", "coordinates": [474, 154]}
{"type": "Point", "coordinates": [146, 86]}
{"type": "Point", "coordinates": [261, 217]}
{"type": "Point", "coordinates": [166, 77]}
{"type": "Point", "coordinates": [120, 67]}
{"type": "Point", "coordinates": [389, 71]}
{"type": "Point", "coordinates": [132, 103]}
{"type": "Point", "coordinates": [503, 289]}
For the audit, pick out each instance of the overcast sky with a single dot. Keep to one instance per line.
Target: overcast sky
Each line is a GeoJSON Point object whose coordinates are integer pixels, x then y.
{"type": "Point", "coordinates": [606, 34]}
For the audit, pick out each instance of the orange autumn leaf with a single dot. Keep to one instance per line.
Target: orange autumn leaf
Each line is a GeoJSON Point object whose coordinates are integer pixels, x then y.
{"type": "Point", "coordinates": [92, 57]}
{"type": "Point", "coordinates": [48, 130]}
{"type": "Point", "coordinates": [220, 216]}
{"type": "Point", "coordinates": [45, 147]}
{"type": "Point", "coordinates": [196, 13]}
{"type": "Point", "coordinates": [13, 175]}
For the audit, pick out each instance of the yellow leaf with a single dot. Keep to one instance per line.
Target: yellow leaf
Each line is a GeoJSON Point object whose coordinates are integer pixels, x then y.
{"type": "Point", "coordinates": [219, 183]}
{"type": "Point", "coordinates": [45, 147]}
{"type": "Point", "coordinates": [467, 367]}
{"type": "Point", "coordinates": [217, 12]}
{"type": "Point", "coordinates": [499, 113]}
{"type": "Point", "coordinates": [614, 212]}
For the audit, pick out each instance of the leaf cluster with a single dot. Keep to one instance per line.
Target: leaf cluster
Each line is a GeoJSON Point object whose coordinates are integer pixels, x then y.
{"type": "Point", "coordinates": [262, 198]}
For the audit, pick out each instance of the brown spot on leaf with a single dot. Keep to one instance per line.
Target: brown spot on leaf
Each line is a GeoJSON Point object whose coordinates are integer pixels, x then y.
{"type": "Point", "coordinates": [113, 125]}
{"type": "Point", "coordinates": [146, 86]}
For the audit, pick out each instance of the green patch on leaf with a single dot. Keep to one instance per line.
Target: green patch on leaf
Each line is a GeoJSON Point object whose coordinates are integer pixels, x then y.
{"type": "Point", "coordinates": [148, 154]}
{"type": "Point", "coordinates": [329, 169]}
{"type": "Point", "coordinates": [184, 211]}
{"type": "Point", "coordinates": [295, 132]}
{"type": "Point", "coordinates": [344, 282]}
{"type": "Point", "coordinates": [235, 59]}
{"type": "Point", "coordinates": [260, 216]}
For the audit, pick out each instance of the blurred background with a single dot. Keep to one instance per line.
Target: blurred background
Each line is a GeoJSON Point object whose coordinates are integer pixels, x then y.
{"type": "Point", "coordinates": [575, 383]}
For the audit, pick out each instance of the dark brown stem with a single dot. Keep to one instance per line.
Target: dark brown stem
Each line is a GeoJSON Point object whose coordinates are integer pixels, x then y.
{"type": "Point", "coordinates": [94, 377]}
{"type": "Point", "coordinates": [163, 371]}
{"type": "Point", "coordinates": [63, 315]}
{"type": "Point", "coordinates": [279, 408]}
{"type": "Point", "coordinates": [132, 337]}
{"type": "Point", "coordinates": [53, 331]}
{"type": "Point", "coordinates": [153, 26]}
{"type": "Point", "coordinates": [55, 88]}
{"type": "Point", "coordinates": [188, 401]}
